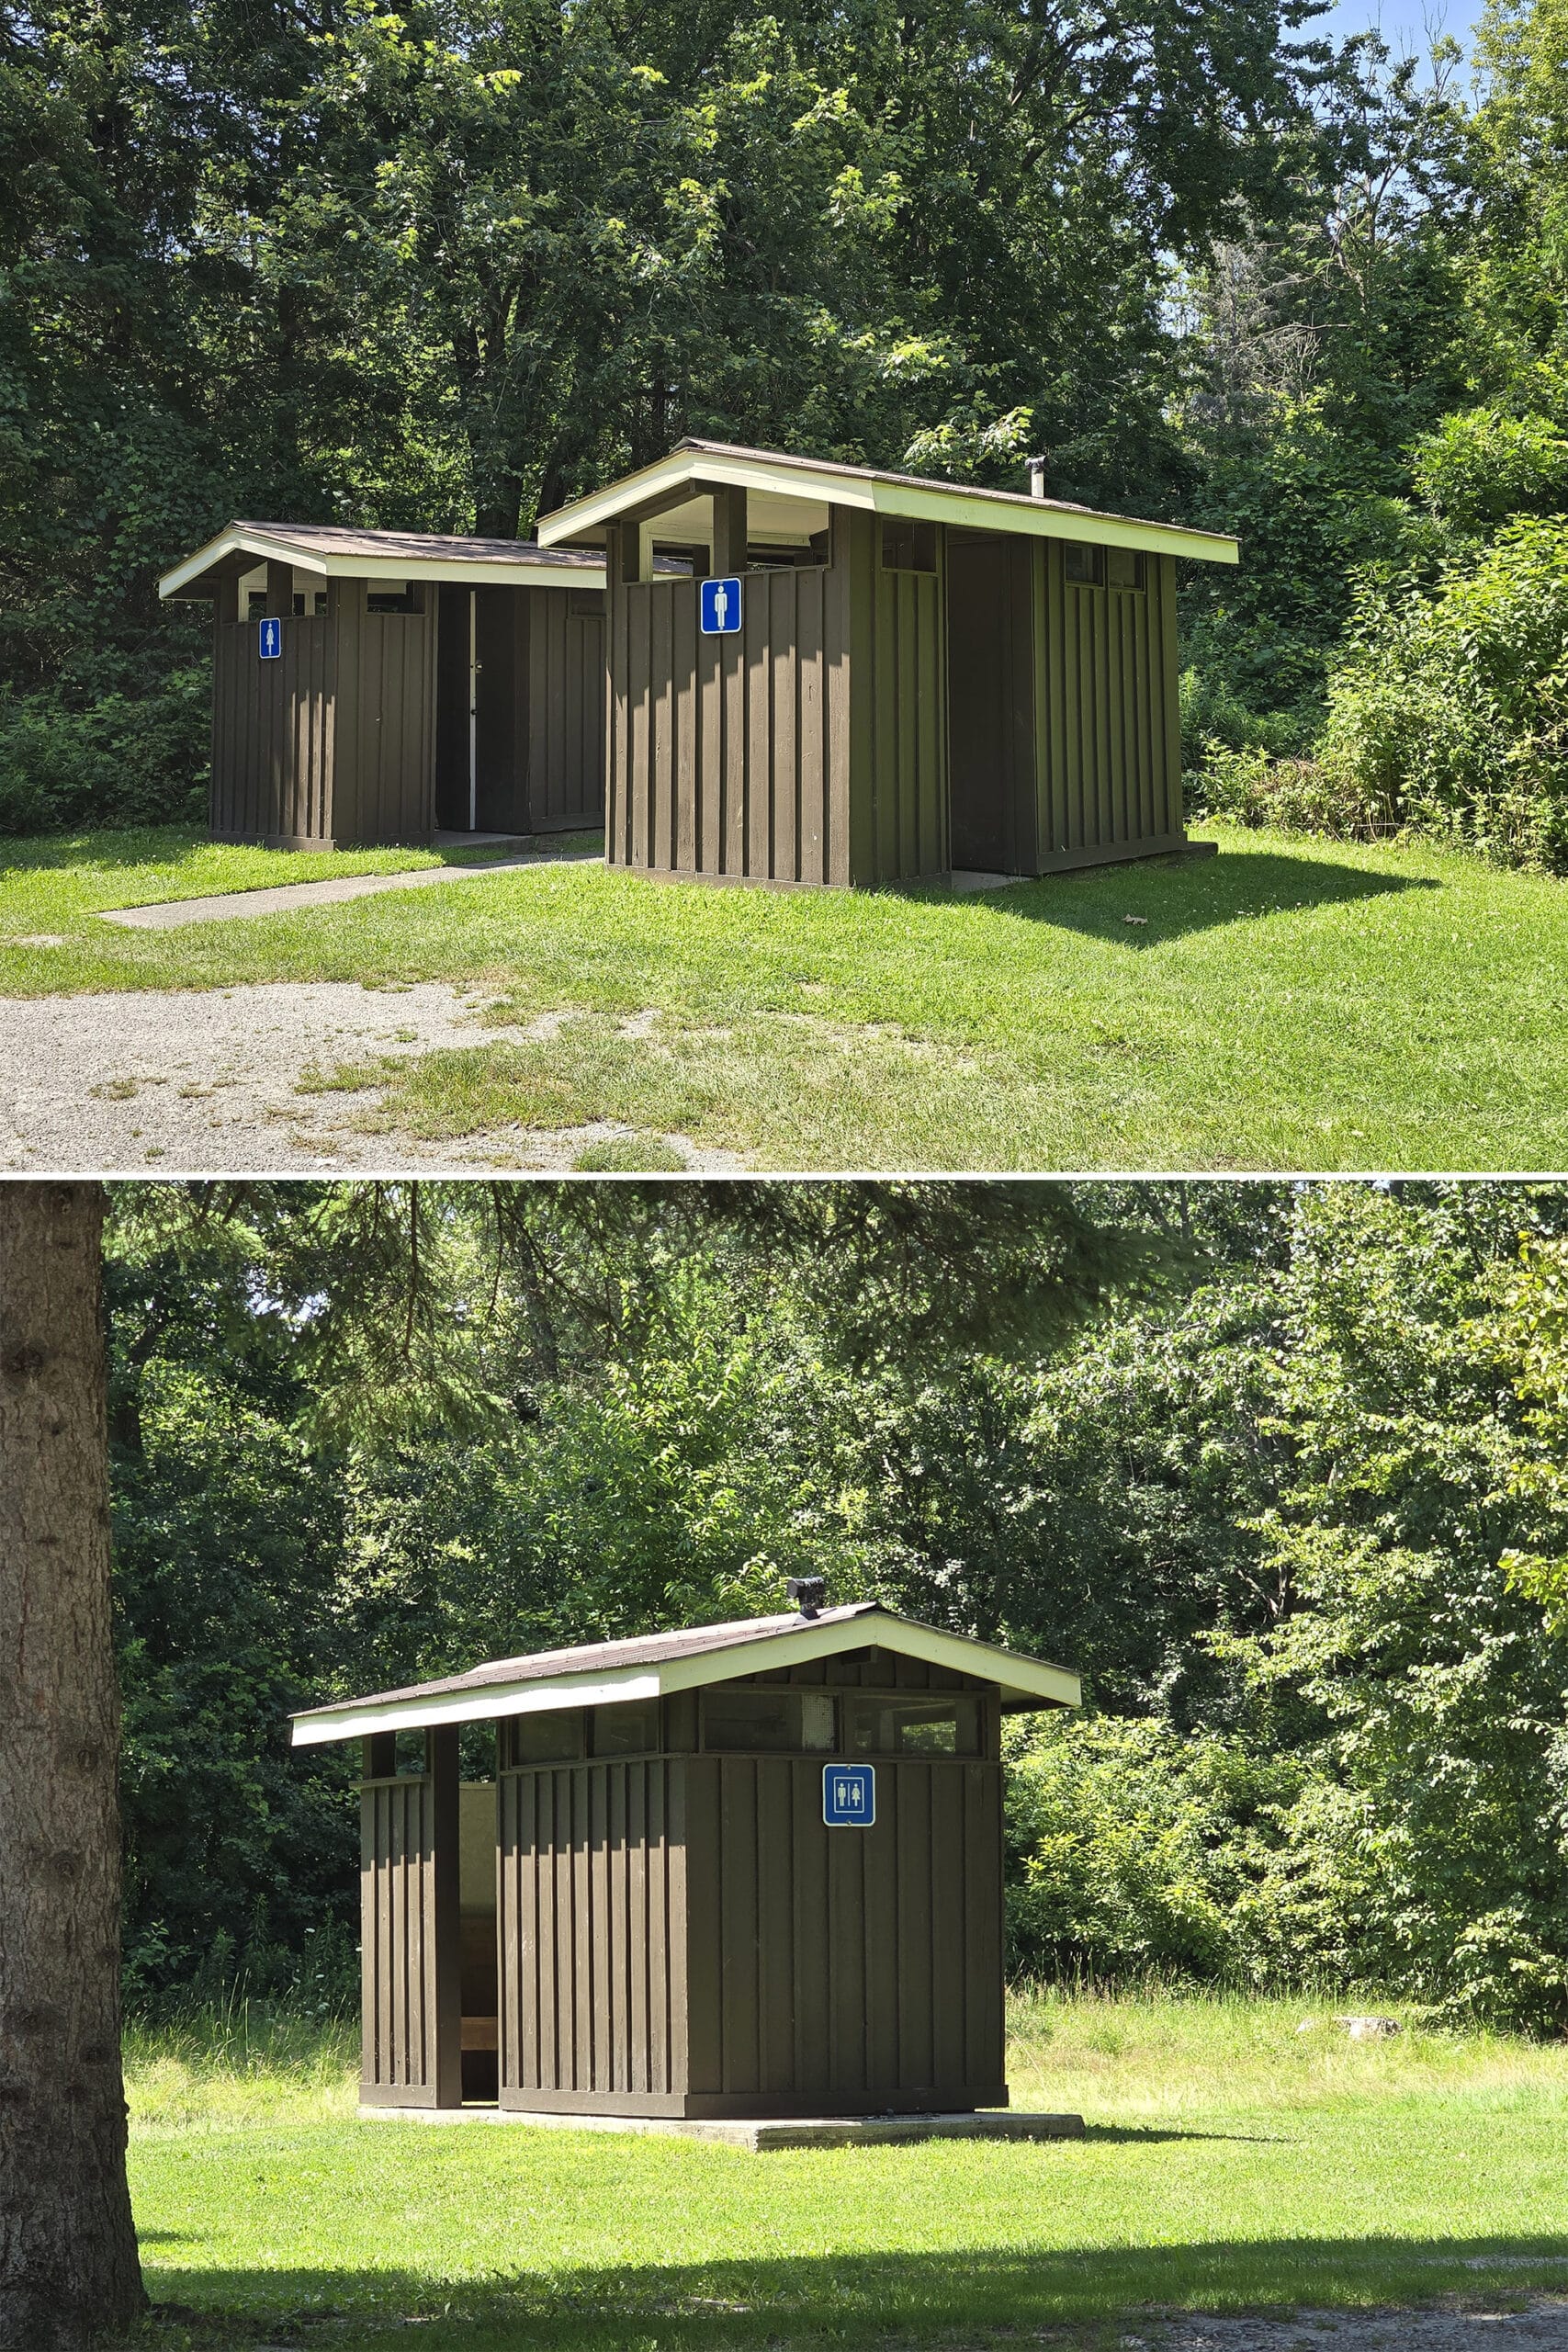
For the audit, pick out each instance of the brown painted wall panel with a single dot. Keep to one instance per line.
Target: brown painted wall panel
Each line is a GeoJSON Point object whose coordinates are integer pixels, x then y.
{"type": "Point", "coordinates": [591, 1998]}
{"type": "Point", "coordinates": [1107, 716]}
{"type": "Point", "coordinates": [898, 749]}
{"type": "Point", "coordinates": [727, 756]}
{"type": "Point", "coordinates": [411, 1930]}
{"type": "Point", "coordinates": [272, 732]}
{"type": "Point", "coordinates": [855, 1967]}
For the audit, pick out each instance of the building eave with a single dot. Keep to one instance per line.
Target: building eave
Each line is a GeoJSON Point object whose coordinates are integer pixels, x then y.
{"type": "Point", "coordinates": [451, 572]}
{"type": "Point", "coordinates": [1024, 1682]}
{"type": "Point", "coordinates": [583, 522]}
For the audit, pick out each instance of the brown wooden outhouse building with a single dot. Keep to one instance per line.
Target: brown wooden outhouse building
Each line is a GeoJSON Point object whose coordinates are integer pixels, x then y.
{"type": "Point", "coordinates": [866, 678]}
{"type": "Point", "coordinates": [381, 686]}
{"type": "Point", "coordinates": [749, 1870]}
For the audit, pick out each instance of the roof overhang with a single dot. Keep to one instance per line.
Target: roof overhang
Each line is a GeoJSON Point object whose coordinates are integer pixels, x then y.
{"type": "Point", "coordinates": [1024, 1683]}
{"type": "Point", "coordinates": [777, 483]}
{"type": "Point", "coordinates": [220, 557]}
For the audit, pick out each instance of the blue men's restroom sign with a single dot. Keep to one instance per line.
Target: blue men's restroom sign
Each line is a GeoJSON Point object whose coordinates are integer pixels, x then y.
{"type": "Point", "coordinates": [719, 607]}
{"type": "Point", "coordinates": [849, 1796]}
{"type": "Point", "coordinates": [271, 644]}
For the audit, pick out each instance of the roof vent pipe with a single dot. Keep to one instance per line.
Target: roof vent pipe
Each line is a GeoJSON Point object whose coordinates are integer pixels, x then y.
{"type": "Point", "coordinates": [1036, 477]}
{"type": "Point", "coordinates": [807, 1593]}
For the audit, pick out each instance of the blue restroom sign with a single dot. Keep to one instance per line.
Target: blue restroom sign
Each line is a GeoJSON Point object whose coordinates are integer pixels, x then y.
{"type": "Point", "coordinates": [271, 644]}
{"type": "Point", "coordinates": [720, 606]}
{"type": "Point", "coordinates": [849, 1796]}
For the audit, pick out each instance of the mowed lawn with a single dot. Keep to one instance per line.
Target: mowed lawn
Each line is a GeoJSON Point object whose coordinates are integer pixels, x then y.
{"type": "Point", "coordinates": [1287, 1005]}
{"type": "Point", "coordinates": [1232, 2161]}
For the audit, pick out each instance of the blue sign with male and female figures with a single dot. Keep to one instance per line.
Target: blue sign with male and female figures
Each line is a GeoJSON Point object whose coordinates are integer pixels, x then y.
{"type": "Point", "coordinates": [849, 1796]}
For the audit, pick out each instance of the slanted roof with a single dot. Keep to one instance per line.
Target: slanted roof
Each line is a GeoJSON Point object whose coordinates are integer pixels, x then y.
{"type": "Point", "coordinates": [650, 1666]}
{"type": "Point", "coordinates": [334, 551]}
{"type": "Point", "coordinates": [777, 483]}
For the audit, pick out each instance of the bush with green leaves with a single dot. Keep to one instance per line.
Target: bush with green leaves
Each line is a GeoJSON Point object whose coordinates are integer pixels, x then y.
{"type": "Point", "coordinates": [1248, 786]}
{"type": "Point", "coordinates": [1451, 704]}
{"type": "Point", "coordinates": [1481, 467]}
{"type": "Point", "coordinates": [1137, 1851]}
{"type": "Point", "coordinates": [117, 761]}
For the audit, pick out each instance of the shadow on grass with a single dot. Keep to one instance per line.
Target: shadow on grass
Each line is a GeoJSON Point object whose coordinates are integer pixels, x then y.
{"type": "Point", "coordinates": [1170, 897]}
{"type": "Point", "coordinates": [847, 2298]}
{"type": "Point", "coordinates": [540, 849]}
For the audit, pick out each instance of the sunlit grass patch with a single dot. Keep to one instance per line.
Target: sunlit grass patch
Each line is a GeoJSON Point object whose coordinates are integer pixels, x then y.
{"type": "Point", "coordinates": [1310, 1005]}
{"type": "Point", "coordinates": [1232, 2160]}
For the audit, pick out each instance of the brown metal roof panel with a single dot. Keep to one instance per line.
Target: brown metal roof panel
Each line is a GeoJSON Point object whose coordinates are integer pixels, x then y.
{"type": "Point", "coordinates": [594, 1657]}
{"type": "Point", "coordinates": [426, 546]}
{"type": "Point", "coordinates": [905, 481]}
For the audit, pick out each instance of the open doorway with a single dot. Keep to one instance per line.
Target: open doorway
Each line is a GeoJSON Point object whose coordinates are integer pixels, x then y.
{"type": "Point", "coordinates": [479, 1967]}
{"type": "Point", "coordinates": [990, 702]}
{"type": "Point", "coordinates": [481, 780]}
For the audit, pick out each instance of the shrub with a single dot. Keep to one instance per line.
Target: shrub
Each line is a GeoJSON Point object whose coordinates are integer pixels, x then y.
{"type": "Point", "coordinates": [1215, 715]}
{"type": "Point", "coordinates": [1137, 1851]}
{"type": "Point", "coordinates": [118, 762]}
{"type": "Point", "coordinates": [1298, 795]}
{"type": "Point", "coordinates": [1480, 467]}
{"type": "Point", "coordinates": [1451, 707]}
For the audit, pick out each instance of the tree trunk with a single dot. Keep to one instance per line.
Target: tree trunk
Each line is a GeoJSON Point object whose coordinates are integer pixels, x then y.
{"type": "Point", "coordinates": [68, 2261]}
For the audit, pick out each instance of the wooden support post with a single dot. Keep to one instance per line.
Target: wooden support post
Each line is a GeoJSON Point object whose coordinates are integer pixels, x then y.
{"type": "Point", "coordinates": [445, 1924]}
{"type": "Point", "coordinates": [226, 601]}
{"type": "Point", "coordinates": [620, 554]}
{"type": "Point", "coordinates": [728, 532]}
{"type": "Point", "coordinates": [380, 1755]}
{"type": "Point", "coordinates": [280, 591]}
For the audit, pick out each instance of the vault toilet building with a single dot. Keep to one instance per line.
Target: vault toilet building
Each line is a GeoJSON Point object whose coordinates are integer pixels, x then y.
{"type": "Point", "coordinates": [378, 685]}
{"type": "Point", "coordinates": [866, 678]}
{"type": "Point", "coordinates": [741, 1870]}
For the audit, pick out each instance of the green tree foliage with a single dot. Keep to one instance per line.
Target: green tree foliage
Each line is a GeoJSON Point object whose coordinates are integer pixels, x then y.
{"type": "Point", "coordinates": [1449, 709]}
{"type": "Point", "coordinates": [437, 267]}
{"type": "Point", "coordinates": [1262, 1465]}
{"type": "Point", "coordinates": [1375, 1789]}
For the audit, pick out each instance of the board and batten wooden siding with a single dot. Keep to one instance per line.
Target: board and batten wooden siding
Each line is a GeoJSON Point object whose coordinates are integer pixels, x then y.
{"type": "Point", "coordinates": [409, 1927]}
{"type": "Point", "coordinates": [808, 747]}
{"type": "Point", "coordinates": [592, 1997]}
{"type": "Point", "coordinates": [1107, 716]}
{"type": "Point", "coordinates": [540, 711]}
{"type": "Point", "coordinates": [272, 733]}
{"type": "Point", "coordinates": [385, 754]}
{"type": "Point", "coordinates": [683, 1934]}
{"type": "Point", "coordinates": [333, 742]}
{"type": "Point", "coordinates": [728, 756]}
{"type": "Point", "coordinates": [836, 1968]}
{"type": "Point", "coordinates": [898, 749]}
{"type": "Point", "coordinates": [561, 676]}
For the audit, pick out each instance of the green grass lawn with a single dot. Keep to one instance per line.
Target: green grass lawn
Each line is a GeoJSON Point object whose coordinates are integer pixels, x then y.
{"type": "Point", "coordinates": [1288, 1004]}
{"type": "Point", "coordinates": [1231, 2161]}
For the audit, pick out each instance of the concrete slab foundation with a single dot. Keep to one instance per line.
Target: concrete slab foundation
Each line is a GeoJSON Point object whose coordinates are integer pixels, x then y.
{"type": "Point", "coordinates": [796, 2131]}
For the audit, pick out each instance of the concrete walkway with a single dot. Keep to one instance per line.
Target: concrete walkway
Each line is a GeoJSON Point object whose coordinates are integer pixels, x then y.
{"type": "Point", "coordinates": [171, 914]}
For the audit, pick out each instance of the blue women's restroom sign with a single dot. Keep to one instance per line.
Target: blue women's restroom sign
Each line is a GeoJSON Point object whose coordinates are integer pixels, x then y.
{"type": "Point", "coordinates": [718, 607]}
{"type": "Point", "coordinates": [271, 641]}
{"type": "Point", "coordinates": [849, 1796]}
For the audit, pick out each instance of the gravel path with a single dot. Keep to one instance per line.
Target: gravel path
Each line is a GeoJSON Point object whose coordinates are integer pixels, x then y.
{"type": "Point", "coordinates": [1543, 2328]}
{"type": "Point", "coordinates": [203, 1080]}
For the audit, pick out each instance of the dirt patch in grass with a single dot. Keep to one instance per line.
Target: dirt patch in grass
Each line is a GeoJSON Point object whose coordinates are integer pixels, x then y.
{"type": "Point", "coordinates": [294, 1076]}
